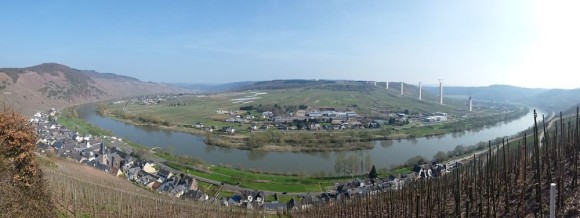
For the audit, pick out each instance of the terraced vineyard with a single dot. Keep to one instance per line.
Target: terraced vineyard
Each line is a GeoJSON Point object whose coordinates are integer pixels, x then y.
{"type": "Point", "coordinates": [81, 191]}
{"type": "Point", "coordinates": [512, 180]}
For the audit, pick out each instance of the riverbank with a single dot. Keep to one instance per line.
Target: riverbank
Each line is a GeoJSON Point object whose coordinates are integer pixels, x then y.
{"type": "Point", "coordinates": [235, 178]}
{"type": "Point", "coordinates": [294, 174]}
{"type": "Point", "coordinates": [321, 140]}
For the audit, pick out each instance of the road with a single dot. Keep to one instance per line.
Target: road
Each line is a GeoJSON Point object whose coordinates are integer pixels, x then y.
{"type": "Point", "coordinates": [551, 120]}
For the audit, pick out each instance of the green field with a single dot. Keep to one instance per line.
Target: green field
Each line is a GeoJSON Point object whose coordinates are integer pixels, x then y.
{"type": "Point", "coordinates": [369, 103]}
{"type": "Point", "coordinates": [260, 181]}
{"type": "Point", "coordinates": [79, 125]}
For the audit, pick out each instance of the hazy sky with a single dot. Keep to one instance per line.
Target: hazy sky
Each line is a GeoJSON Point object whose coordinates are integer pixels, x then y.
{"type": "Point", "coordinates": [524, 43]}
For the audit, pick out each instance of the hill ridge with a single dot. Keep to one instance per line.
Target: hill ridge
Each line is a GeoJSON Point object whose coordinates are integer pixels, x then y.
{"type": "Point", "coordinates": [47, 85]}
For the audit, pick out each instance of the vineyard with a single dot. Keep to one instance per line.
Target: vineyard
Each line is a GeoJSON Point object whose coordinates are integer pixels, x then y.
{"type": "Point", "coordinates": [509, 180]}
{"type": "Point", "coordinates": [81, 191]}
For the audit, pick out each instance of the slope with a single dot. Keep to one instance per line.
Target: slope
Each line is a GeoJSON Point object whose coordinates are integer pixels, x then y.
{"type": "Point", "coordinates": [546, 99]}
{"type": "Point", "coordinates": [54, 85]}
{"type": "Point", "coordinates": [82, 191]}
{"type": "Point", "coordinates": [511, 179]}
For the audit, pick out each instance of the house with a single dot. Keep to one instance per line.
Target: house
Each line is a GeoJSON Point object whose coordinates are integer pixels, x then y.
{"type": "Point", "coordinates": [441, 118]}
{"type": "Point", "coordinates": [350, 114]}
{"type": "Point", "coordinates": [326, 197]}
{"type": "Point", "coordinates": [58, 145]}
{"type": "Point", "coordinates": [373, 125]}
{"type": "Point", "coordinates": [132, 173]}
{"type": "Point", "coordinates": [198, 125]}
{"type": "Point", "coordinates": [417, 168]}
{"type": "Point", "coordinates": [429, 119]}
{"type": "Point", "coordinates": [253, 197]}
{"type": "Point", "coordinates": [114, 160]}
{"type": "Point", "coordinates": [189, 182]}
{"type": "Point", "coordinates": [224, 201]}
{"type": "Point", "coordinates": [308, 202]}
{"type": "Point", "coordinates": [154, 185]}
{"type": "Point", "coordinates": [341, 188]}
{"type": "Point", "coordinates": [94, 163]}
{"type": "Point", "coordinates": [229, 129]}
{"type": "Point", "coordinates": [117, 172]}
{"type": "Point", "coordinates": [314, 126]}
{"type": "Point", "coordinates": [314, 114]}
{"type": "Point", "coordinates": [179, 190]}
{"type": "Point", "coordinates": [146, 178]}
{"type": "Point", "coordinates": [150, 167]}
{"type": "Point", "coordinates": [166, 186]}
{"type": "Point", "coordinates": [235, 200]}
{"type": "Point", "coordinates": [164, 174]}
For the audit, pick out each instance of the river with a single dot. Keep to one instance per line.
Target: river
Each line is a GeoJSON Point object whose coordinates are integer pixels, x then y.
{"type": "Point", "coordinates": [385, 154]}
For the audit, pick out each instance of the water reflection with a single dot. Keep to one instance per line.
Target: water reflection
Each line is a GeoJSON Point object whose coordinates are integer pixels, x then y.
{"type": "Point", "coordinates": [256, 155]}
{"type": "Point", "coordinates": [386, 143]}
{"type": "Point", "coordinates": [210, 148]}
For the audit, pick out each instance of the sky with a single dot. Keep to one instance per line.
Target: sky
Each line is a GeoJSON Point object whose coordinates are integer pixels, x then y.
{"type": "Point", "coordinates": [466, 43]}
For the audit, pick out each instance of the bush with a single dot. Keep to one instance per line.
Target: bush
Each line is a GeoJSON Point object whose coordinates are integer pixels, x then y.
{"type": "Point", "coordinates": [440, 156]}
{"type": "Point", "coordinates": [415, 160]}
{"type": "Point", "coordinates": [23, 191]}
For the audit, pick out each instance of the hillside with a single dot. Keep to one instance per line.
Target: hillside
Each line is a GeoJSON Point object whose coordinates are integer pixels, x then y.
{"type": "Point", "coordinates": [195, 87]}
{"type": "Point", "coordinates": [497, 93]}
{"type": "Point", "coordinates": [498, 183]}
{"type": "Point", "coordinates": [82, 191]}
{"type": "Point", "coordinates": [511, 179]}
{"type": "Point", "coordinates": [557, 99]}
{"type": "Point", "coordinates": [547, 99]}
{"type": "Point", "coordinates": [54, 85]}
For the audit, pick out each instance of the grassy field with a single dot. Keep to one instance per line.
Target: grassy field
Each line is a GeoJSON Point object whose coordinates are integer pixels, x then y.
{"type": "Point", "coordinates": [260, 181]}
{"type": "Point", "coordinates": [79, 125]}
{"type": "Point", "coordinates": [370, 103]}
{"type": "Point", "coordinates": [268, 181]}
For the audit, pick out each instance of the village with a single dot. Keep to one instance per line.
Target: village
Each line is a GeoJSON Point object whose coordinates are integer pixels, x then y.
{"type": "Point", "coordinates": [318, 119]}
{"type": "Point", "coordinates": [105, 153]}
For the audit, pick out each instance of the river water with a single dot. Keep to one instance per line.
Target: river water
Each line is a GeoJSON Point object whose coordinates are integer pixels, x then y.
{"type": "Point", "coordinates": [384, 155]}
